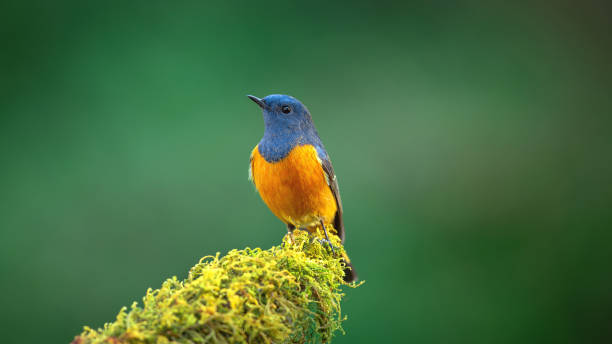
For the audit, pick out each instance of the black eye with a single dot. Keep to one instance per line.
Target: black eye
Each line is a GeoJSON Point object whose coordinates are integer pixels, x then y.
{"type": "Point", "coordinates": [285, 109]}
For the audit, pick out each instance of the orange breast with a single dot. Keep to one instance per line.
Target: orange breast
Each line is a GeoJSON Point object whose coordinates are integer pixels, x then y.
{"type": "Point", "coordinates": [295, 188]}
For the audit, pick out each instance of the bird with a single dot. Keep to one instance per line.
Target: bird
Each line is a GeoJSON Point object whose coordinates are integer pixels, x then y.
{"type": "Point", "coordinates": [293, 173]}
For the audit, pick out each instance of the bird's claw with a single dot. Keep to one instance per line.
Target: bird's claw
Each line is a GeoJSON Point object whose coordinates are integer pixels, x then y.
{"type": "Point", "coordinates": [325, 241]}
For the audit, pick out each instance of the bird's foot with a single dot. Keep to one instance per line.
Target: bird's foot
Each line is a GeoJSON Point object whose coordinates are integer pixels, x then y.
{"type": "Point", "coordinates": [326, 237]}
{"type": "Point", "coordinates": [290, 230]}
{"type": "Point", "coordinates": [325, 241]}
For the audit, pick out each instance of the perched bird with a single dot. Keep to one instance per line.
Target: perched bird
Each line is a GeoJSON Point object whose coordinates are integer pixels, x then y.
{"type": "Point", "coordinates": [293, 173]}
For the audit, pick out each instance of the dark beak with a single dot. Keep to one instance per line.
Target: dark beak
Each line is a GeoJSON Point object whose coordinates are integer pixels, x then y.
{"type": "Point", "coordinates": [258, 101]}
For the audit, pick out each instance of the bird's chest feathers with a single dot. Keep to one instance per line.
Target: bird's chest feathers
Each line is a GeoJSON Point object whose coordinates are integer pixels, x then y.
{"type": "Point", "coordinates": [294, 187]}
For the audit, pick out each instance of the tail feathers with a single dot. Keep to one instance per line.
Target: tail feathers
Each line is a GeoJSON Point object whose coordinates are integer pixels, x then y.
{"type": "Point", "coordinates": [350, 275]}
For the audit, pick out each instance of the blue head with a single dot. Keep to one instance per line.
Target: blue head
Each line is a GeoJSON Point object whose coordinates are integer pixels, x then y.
{"type": "Point", "coordinates": [287, 124]}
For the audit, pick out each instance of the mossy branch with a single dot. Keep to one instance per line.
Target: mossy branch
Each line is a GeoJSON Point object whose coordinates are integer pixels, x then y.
{"type": "Point", "coordinates": [288, 294]}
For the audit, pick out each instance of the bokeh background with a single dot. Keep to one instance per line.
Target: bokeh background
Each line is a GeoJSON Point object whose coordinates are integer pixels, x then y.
{"type": "Point", "coordinates": [471, 140]}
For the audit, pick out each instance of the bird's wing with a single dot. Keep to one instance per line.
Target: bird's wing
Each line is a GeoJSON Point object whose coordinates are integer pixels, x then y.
{"type": "Point", "coordinates": [332, 181]}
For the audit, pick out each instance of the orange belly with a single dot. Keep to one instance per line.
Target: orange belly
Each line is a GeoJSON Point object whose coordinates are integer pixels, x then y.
{"type": "Point", "coordinates": [295, 188]}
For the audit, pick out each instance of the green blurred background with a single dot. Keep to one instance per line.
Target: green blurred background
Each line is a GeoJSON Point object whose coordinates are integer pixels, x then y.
{"type": "Point", "coordinates": [471, 140]}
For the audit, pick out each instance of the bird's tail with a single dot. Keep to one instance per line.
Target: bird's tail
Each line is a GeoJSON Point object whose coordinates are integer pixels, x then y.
{"type": "Point", "coordinates": [350, 275]}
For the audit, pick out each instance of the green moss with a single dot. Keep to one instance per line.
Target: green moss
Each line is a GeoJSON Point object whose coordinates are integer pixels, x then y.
{"type": "Point", "coordinates": [287, 294]}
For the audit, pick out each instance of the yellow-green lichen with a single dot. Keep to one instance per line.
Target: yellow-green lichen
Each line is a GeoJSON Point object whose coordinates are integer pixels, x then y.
{"type": "Point", "coordinates": [287, 294]}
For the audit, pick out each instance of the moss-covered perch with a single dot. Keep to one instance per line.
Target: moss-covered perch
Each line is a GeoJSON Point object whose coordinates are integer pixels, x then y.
{"type": "Point", "coordinates": [287, 294]}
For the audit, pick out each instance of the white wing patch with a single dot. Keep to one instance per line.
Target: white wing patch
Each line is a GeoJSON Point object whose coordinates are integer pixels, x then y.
{"type": "Point", "coordinates": [251, 167]}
